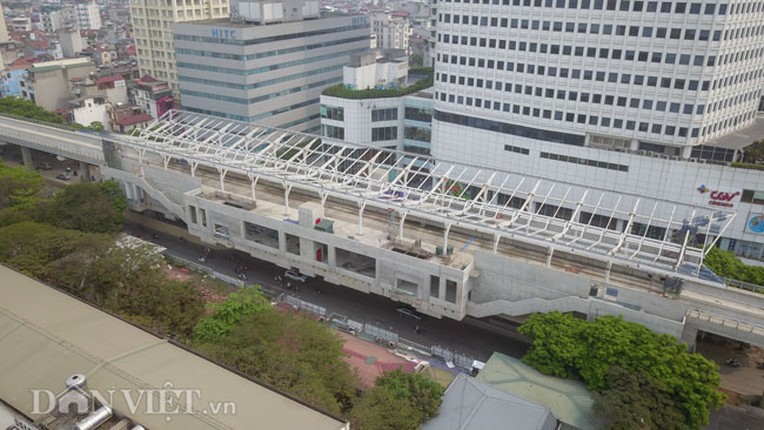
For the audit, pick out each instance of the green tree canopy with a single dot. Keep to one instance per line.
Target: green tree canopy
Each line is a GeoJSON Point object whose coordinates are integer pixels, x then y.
{"type": "Point", "coordinates": [728, 265]}
{"type": "Point", "coordinates": [96, 126]}
{"type": "Point", "coordinates": [17, 106]}
{"type": "Point", "coordinates": [563, 345]}
{"type": "Point", "coordinates": [228, 315]}
{"type": "Point", "coordinates": [19, 186]}
{"type": "Point", "coordinates": [398, 401]}
{"type": "Point", "coordinates": [291, 353]}
{"type": "Point", "coordinates": [633, 400]}
{"type": "Point", "coordinates": [31, 247]}
{"type": "Point", "coordinates": [87, 206]}
{"type": "Point", "coordinates": [381, 409]}
{"type": "Point", "coordinates": [127, 281]}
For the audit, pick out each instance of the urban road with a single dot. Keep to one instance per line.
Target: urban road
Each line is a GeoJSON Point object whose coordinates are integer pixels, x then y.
{"type": "Point", "coordinates": [467, 337]}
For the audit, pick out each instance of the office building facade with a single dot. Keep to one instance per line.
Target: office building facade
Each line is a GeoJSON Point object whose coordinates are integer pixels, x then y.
{"type": "Point", "coordinates": [658, 76]}
{"type": "Point", "coordinates": [267, 74]}
{"type": "Point", "coordinates": [644, 97]}
{"type": "Point", "coordinates": [152, 28]}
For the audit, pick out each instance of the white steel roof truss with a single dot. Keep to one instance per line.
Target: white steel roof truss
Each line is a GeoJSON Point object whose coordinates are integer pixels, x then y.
{"type": "Point", "coordinates": [340, 169]}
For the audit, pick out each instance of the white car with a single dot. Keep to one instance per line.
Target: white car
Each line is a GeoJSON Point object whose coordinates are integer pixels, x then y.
{"type": "Point", "coordinates": [295, 276]}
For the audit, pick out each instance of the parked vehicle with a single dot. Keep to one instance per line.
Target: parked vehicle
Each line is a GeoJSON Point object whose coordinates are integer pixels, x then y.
{"type": "Point", "coordinates": [64, 176]}
{"type": "Point", "coordinates": [44, 166]}
{"type": "Point", "coordinates": [411, 313]}
{"type": "Point", "coordinates": [294, 275]}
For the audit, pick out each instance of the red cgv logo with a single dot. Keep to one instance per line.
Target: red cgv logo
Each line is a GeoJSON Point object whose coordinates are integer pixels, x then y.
{"type": "Point", "coordinates": [721, 196]}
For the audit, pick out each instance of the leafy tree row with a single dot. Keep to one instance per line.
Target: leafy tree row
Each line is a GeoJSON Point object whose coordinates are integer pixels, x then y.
{"type": "Point", "coordinates": [19, 107]}
{"type": "Point", "coordinates": [305, 358]}
{"type": "Point", "coordinates": [68, 240]}
{"type": "Point", "coordinates": [88, 206]}
{"type": "Point", "coordinates": [623, 360]}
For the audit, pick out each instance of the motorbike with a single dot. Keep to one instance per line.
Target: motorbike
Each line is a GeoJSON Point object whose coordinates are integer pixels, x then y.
{"type": "Point", "coordinates": [731, 362]}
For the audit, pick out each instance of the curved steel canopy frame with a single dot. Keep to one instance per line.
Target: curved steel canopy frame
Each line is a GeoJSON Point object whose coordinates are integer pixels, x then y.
{"type": "Point", "coordinates": [498, 203]}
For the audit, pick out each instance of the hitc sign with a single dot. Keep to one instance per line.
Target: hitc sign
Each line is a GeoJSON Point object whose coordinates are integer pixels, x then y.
{"type": "Point", "coordinates": [223, 33]}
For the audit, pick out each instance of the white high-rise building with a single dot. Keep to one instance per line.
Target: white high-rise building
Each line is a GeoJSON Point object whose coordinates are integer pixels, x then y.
{"type": "Point", "coordinates": [152, 27]}
{"type": "Point", "coordinates": [646, 98]}
{"type": "Point", "coordinates": [88, 15]}
{"type": "Point", "coordinates": [640, 75]}
{"type": "Point", "coordinates": [392, 30]}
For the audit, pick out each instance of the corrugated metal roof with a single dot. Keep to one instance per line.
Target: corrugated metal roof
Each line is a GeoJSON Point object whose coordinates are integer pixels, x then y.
{"type": "Point", "coordinates": [568, 400]}
{"type": "Point", "coordinates": [46, 336]}
{"type": "Point", "coordinates": [469, 404]}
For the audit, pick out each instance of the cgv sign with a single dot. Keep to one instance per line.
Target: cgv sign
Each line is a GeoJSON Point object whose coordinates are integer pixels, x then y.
{"type": "Point", "coordinates": [719, 198]}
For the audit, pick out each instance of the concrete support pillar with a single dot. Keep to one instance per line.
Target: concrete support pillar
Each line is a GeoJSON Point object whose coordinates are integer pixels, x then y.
{"type": "Point", "coordinates": [331, 257]}
{"type": "Point", "coordinates": [84, 171]}
{"type": "Point", "coordinates": [26, 155]}
{"type": "Point", "coordinates": [634, 145]}
{"type": "Point", "coordinates": [607, 271]}
{"type": "Point", "coordinates": [282, 241]}
{"type": "Point", "coordinates": [400, 226]}
{"type": "Point", "coordinates": [253, 185]}
{"type": "Point", "coordinates": [445, 238]}
{"type": "Point", "coordinates": [287, 190]}
{"type": "Point", "coordinates": [222, 173]}
{"type": "Point", "coordinates": [442, 289]}
{"type": "Point", "coordinates": [360, 218]}
{"type": "Point", "coordinates": [690, 337]}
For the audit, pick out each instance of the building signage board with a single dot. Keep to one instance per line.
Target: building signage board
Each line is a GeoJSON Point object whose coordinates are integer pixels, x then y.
{"type": "Point", "coordinates": [755, 224]}
{"type": "Point", "coordinates": [719, 197]}
{"type": "Point", "coordinates": [224, 33]}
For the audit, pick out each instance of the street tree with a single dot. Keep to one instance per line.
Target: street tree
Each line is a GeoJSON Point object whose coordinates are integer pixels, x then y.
{"type": "Point", "coordinates": [291, 353]}
{"type": "Point", "coordinates": [417, 399]}
{"type": "Point", "coordinates": [87, 206]}
{"type": "Point", "coordinates": [382, 409]}
{"type": "Point", "coordinates": [226, 316]}
{"type": "Point", "coordinates": [634, 400]}
{"type": "Point", "coordinates": [19, 186]}
{"type": "Point", "coordinates": [31, 247]}
{"type": "Point", "coordinates": [563, 345]}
